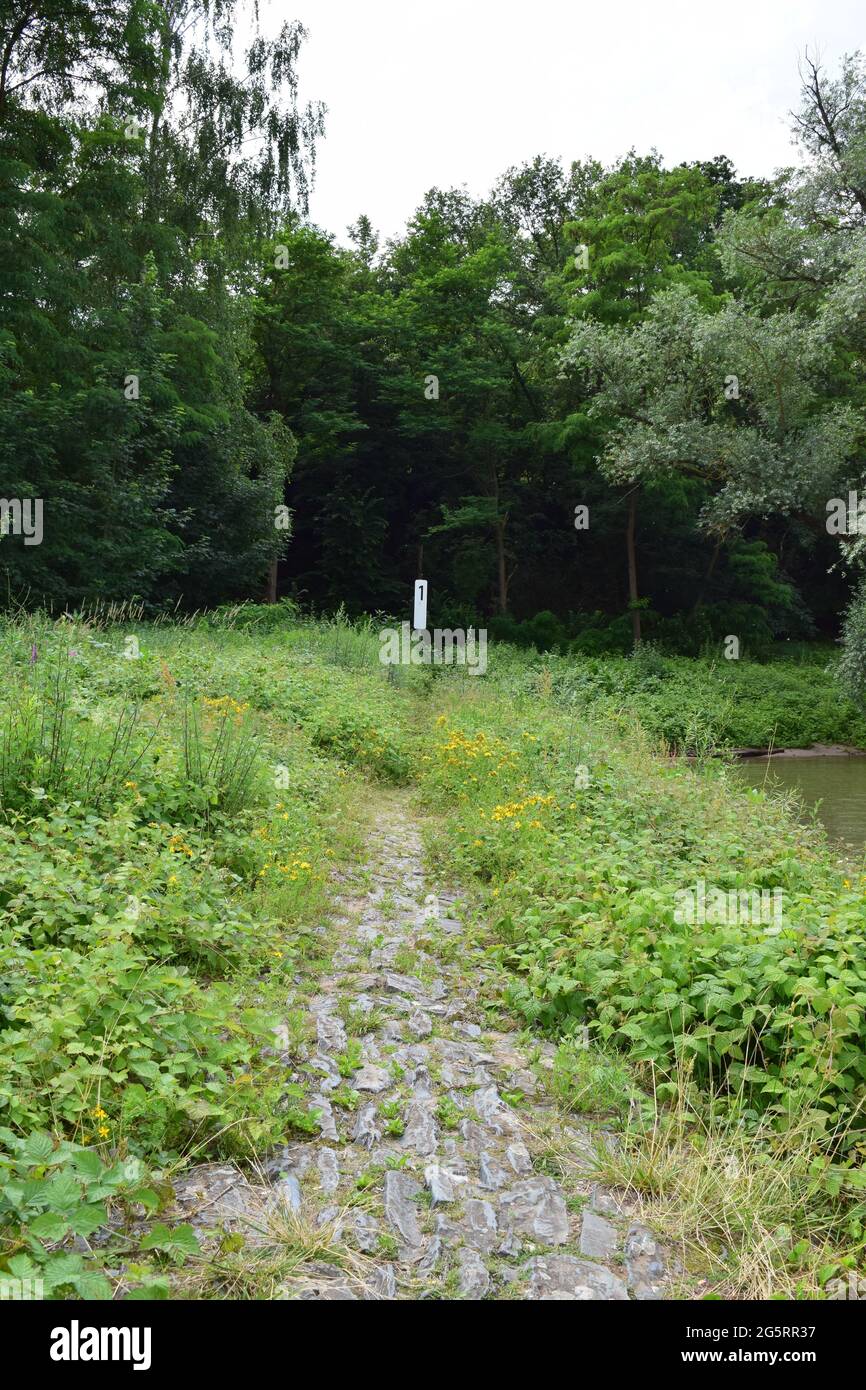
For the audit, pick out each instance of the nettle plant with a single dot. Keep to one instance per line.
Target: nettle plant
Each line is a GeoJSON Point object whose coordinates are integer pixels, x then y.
{"type": "Point", "coordinates": [52, 1192]}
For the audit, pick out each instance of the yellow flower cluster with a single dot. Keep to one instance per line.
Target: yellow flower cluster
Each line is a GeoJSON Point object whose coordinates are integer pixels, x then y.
{"type": "Point", "coordinates": [461, 750]}
{"type": "Point", "coordinates": [513, 808]}
{"type": "Point", "coordinates": [295, 869]}
{"type": "Point", "coordinates": [102, 1129]}
{"type": "Point", "coordinates": [178, 845]}
{"type": "Point", "coordinates": [226, 705]}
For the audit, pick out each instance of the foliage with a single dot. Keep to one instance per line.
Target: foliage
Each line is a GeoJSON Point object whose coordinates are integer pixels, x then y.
{"type": "Point", "coordinates": [149, 923]}
{"type": "Point", "coordinates": [582, 876]}
{"type": "Point", "coordinates": [141, 170]}
{"type": "Point", "coordinates": [51, 1190]}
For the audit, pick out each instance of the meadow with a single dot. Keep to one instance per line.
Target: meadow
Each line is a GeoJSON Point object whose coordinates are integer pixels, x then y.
{"type": "Point", "coordinates": [174, 798]}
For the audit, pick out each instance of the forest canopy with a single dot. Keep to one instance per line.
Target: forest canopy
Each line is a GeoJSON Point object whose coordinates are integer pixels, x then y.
{"type": "Point", "coordinates": [597, 405]}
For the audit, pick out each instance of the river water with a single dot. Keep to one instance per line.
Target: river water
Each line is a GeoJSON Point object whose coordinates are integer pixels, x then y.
{"type": "Point", "coordinates": [837, 783]}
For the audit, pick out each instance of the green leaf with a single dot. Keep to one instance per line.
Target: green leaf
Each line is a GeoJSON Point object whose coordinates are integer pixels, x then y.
{"type": "Point", "coordinates": [49, 1226]}
{"type": "Point", "coordinates": [184, 1238]}
{"type": "Point", "coordinates": [23, 1267]}
{"type": "Point", "coordinates": [87, 1163]}
{"type": "Point", "coordinates": [62, 1268]}
{"type": "Point", "coordinates": [87, 1219]}
{"type": "Point", "coordinates": [159, 1238]}
{"type": "Point", "coordinates": [62, 1192]}
{"type": "Point", "coordinates": [146, 1197]}
{"type": "Point", "coordinates": [37, 1148]}
{"type": "Point", "coordinates": [92, 1285]}
{"type": "Point", "coordinates": [154, 1288]}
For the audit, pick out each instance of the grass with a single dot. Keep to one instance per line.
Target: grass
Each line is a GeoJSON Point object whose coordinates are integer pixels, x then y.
{"type": "Point", "coordinates": [749, 1211]}
{"type": "Point", "coordinates": [168, 826]}
{"type": "Point", "coordinates": [280, 1264]}
{"type": "Point", "coordinates": [730, 1056]}
{"type": "Point", "coordinates": [160, 886]}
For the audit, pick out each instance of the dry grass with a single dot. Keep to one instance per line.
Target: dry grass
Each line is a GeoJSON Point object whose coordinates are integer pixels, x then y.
{"type": "Point", "coordinates": [282, 1252]}
{"type": "Point", "coordinates": [749, 1211]}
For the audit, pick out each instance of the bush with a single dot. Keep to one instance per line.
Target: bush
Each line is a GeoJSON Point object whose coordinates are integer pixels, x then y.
{"type": "Point", "coordinates": [585, 873]}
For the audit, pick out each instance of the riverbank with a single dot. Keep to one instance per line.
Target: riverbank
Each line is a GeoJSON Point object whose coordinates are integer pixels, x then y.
{"type": "Point", "coordinates": [703, 705]}
{"type": "Point", "coordinates": [816, 750]}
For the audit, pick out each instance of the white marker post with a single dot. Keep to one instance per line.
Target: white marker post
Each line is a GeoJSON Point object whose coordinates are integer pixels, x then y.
{"type": "Point", "coordinates": [419, 622]}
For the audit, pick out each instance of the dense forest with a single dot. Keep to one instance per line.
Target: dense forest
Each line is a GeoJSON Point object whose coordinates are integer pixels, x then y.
{"type": "Point", "coordinates": [599, 404]}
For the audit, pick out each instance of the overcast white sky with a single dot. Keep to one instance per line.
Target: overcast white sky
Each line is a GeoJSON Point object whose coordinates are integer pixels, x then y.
{"type": "Point", "coordinates": [452, 92]}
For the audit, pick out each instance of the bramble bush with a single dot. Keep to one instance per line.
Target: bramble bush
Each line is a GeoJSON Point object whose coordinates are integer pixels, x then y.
{"type": "Point", "coordinates": [581, 885]}
{"type": "Point", "coordinates": [158, 884]}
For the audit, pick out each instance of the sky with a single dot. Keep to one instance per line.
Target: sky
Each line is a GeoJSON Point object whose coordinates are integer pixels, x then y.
{"type": "Point", "coordinates": [451, 93]}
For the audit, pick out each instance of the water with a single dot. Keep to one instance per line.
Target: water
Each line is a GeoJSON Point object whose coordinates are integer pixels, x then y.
{"type": "Point", "coordinates": [839, 784]}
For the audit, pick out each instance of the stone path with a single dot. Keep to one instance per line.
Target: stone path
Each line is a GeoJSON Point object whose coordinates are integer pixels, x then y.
{"type": "Point", "coordinates": [443, 1168]}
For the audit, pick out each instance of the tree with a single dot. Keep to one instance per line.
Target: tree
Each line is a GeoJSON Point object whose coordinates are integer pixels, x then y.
{"type": "Point", "coordinates": [646, 230]}
{"type": "Point", "coordinates": [139, 176]}
{"type": "Point", "coordinates": [730, 398]}
{"type": "Point", "coordinates": [803, 248]}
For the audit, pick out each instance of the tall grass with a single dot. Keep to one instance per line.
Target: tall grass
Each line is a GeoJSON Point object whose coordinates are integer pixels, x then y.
{"type": "Point", "coordinates": [755, 1212]}
{"type": "Point", "coordinates": [52, 742]}
{"type": "Point", "coordinates": [220, 756]}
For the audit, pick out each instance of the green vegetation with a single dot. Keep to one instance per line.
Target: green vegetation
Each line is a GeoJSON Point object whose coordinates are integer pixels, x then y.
{"type": "Point", "coordinates": [573, 402]}
{"type": "Point", "coordinates": [585, 883]}
{"type": "Point", "coordinates": [700, 705]}
{"type": "Point", "coordinates": [161, 875]}
{"type": "Point", "coordinates": [744, 1038]}
{"type": "Point", "coordinates": [609, 409]}
{"type": "Point", "coordinates": [165, 841]}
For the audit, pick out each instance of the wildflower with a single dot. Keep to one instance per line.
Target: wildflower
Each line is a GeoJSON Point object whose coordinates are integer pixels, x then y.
{"type": "Point", "coordinates": [103, 1131]}
{"type": "Point", "coordinates": [98, 1113]}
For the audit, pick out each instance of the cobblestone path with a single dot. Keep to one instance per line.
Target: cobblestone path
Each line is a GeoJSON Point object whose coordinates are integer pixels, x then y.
{"type": "Point", "coordinates": [443, 1168]}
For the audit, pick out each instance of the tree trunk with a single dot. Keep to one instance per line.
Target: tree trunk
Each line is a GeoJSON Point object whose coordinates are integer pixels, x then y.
{"type": "Point", "coordinates": [502, 574]}
{"type": "Point", "coordinates": [632, 566]}
{"type": "Point", "coordinates": [709, 574]}
{"type": "Point", "coordinates": [271, 596]}
{"type": "Point", "coordinates": [499, 535]}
